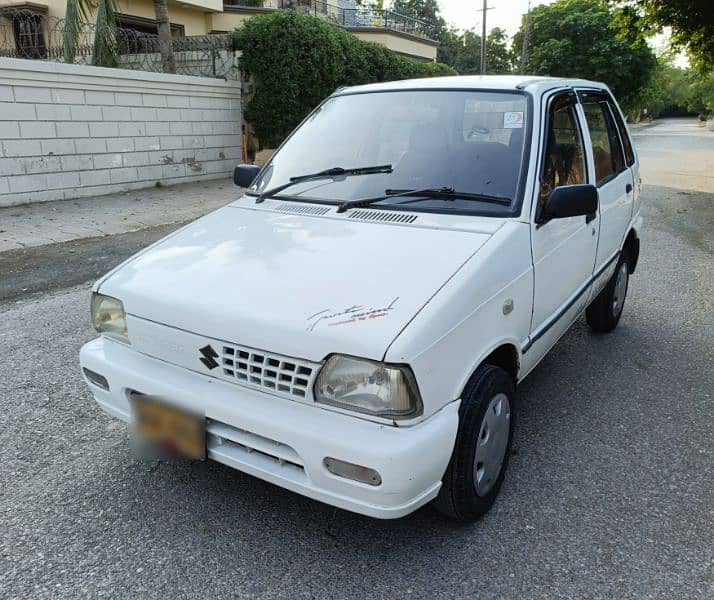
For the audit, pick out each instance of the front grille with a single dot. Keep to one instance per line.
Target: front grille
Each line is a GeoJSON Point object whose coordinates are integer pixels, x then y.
{"type": "Point", "coordinates": [283, 375]}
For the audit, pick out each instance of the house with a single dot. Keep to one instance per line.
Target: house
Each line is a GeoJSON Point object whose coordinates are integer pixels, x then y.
{"type": "Point", "coordinates": [29, 22]}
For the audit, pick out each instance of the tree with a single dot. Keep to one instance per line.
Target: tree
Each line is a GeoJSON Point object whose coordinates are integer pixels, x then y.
{"type": "Point", "coordinates": [498, 58]}
{"type": "Point", "coordinates": [701, 96]}
{"type": "Point", "coordinates": [296, 60]}
{"type": "Point", "coordinates": [166, 48]}
{"type": "Point", "coordinates": [585, 38]}
{"type": "Point", "coordinates": [106, 47]}
{"type": "Point", "coordinates": [468, 58]}
{"type": "Point", "coordinates": [669, 92]}
{"type": "Point", "coordinates": [106, 33]}
{"type": "Point", "coordinates": [428, 10]}
{"type": "Point", "coordinates": [691, 21]}
{"type": "Point", "coordinates": [468, 53]}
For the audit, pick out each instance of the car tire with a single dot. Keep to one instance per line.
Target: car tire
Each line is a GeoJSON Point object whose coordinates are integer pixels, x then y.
{"type": "Point", "coordinates": [470, 486]}
{"type": "Point", "coordinates": [604, 312]}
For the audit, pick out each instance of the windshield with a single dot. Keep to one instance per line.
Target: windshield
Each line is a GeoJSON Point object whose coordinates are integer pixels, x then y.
{"type": "Point", "coordinates": [471, 142]}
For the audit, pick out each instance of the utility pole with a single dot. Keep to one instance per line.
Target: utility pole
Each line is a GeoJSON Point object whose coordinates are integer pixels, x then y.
{"type": "Point", "coordinates": [526, 32]}
{"type": "Point", "coordinates": [483, 36]}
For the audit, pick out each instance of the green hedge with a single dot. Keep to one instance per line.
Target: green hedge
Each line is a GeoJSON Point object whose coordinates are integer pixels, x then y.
{"type": "Point", "coordinates": [297, 60]}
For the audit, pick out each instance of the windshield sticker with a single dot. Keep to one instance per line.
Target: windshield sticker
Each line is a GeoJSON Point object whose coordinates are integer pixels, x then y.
{"type": "Point", "coordinates": [513, 120]}
{"type": "Point", "coordinates": [348, 316]}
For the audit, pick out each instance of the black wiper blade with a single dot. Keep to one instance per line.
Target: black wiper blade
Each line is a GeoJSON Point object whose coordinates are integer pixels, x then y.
{"type": "Point", "coordinates": [333, 173]}
{"type": "Point", "coordinates": [445, 193]}
{"type": "Point", "coordinates": [448, 194]}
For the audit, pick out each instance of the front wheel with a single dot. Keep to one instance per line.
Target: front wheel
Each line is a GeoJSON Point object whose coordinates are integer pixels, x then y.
{"type": "Point", "coordinates": [483, 444]}
{"type": "Point", "coordinates": [603, 314]}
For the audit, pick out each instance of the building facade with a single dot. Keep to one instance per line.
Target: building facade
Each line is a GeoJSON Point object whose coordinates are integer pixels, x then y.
{"type": "Point", "coordinates": [410, 37]}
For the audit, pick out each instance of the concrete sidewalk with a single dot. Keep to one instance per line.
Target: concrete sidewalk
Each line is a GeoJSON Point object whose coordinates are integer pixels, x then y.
{"type": "Point", "coordinates": [66, 220]}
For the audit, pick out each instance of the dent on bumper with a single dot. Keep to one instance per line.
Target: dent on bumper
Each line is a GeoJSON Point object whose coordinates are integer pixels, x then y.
{"type": "Point", "coordinates": [291, 439]}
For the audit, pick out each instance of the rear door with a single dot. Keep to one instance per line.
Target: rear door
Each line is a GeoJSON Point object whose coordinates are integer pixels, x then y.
{"type": "Point", "coordinates": [613, 177]}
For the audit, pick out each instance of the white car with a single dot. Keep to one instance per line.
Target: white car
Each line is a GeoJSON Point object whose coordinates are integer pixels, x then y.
{"type": "Point", "coordinates": [354, 326]}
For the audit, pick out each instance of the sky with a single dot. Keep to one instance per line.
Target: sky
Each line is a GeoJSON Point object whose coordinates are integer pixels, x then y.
{"type": "Point", "coordinates": [506, 14]}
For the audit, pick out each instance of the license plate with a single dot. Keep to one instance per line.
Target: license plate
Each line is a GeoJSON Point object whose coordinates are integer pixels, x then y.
{"type": "Point", "coordinates": [171, 429]}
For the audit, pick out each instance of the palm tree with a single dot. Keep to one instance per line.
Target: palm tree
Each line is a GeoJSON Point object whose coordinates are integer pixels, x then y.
{"type": "Point", "coordinates": [168, 62]}
{"type": "Point", "coordinates": [106, 39]}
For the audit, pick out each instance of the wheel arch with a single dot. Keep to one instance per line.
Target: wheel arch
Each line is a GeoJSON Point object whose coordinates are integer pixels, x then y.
{"type": "Point", "coordinates": [504, 355]}
{"type": "Point", "coordinates": [632, 246]}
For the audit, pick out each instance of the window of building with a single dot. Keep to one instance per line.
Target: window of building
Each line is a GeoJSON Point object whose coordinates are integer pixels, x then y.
{"type": "Point", "coordinates": [29, 32]}
{"type": "Point", "coordinates": [134, 26]}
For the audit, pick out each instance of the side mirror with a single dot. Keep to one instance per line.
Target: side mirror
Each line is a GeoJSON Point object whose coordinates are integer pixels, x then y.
{"type": "Point", "coordinates": [243, 175]}
{"type": "Point", "coordinates": [569, 201]}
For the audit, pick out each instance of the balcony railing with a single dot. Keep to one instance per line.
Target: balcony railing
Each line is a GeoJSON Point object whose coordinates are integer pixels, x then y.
{"type": "Point", "coordinates": [350, 18]}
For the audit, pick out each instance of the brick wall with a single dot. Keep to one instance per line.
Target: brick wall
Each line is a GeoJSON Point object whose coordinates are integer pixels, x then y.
{"type": "Point", "coordinates": [68, 131]}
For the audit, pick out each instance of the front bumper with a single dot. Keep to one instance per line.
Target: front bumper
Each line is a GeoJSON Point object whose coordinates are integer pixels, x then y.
{"type": "Point", "coordinates": [283, 441]}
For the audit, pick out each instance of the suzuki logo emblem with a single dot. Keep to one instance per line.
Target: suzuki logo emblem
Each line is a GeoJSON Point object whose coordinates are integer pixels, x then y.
{"type": "Point", "coordinates": [209, 356]}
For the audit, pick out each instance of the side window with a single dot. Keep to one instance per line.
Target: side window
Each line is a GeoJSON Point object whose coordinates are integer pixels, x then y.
{"type": "Point", "coordinates": [624, 136]}
{"type": "Point", "coordinates": [564, 160]}
{"type": "Point", "coordinates": [607, 152]}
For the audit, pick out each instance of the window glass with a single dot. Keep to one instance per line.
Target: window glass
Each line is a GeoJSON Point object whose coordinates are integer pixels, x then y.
{"type": "Point", "coordinates": [29, 36]}
{"type": "Point", "coordinates": [469, 141]}
{"type": "Point", "coordinates": [607, 152]}
{"type": "Point", "coordinates": [564, 158]}
{"type": "Point", "coordinates": [624, 135]}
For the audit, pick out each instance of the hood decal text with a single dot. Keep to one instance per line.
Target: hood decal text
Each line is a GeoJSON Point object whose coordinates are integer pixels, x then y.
{"type": "Point", "coordinates": [350, 315]}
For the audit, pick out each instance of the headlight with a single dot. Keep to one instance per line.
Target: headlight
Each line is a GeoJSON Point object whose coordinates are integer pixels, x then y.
{"type": "Point", "coordinates": [370, 387]}
{"type": "Point", "coordinates": [108, 317]}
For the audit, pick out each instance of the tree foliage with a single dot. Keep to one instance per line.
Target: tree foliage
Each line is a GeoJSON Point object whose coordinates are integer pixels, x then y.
{"type": "Point", "coordinates": [691, 22]}
{"type": "Point", "coordinates": [426, 10]}
{"type": "Point", "coordinates": [586, 38]}
{"type": "Point", "coordinates": [106, 45]}
{"type": "Point", "coordinates": [297, 60]}
{"type": "Point", "coordinates": [669, 91]}
{"type": "Point", "coordinates": [106, 33]}
{"type": "Point", "coordinates": [464, 52]}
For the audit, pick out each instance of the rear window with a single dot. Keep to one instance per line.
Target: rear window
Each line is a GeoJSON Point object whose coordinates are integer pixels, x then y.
{"type": "Point", "coordinates": [607, 152]}
{"type": "Point", "coordinates": [624, 135]}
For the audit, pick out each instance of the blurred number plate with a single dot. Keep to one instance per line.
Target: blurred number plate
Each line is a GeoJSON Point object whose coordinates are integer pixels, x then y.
{"type": "Point", "coordinates": [171, 428]}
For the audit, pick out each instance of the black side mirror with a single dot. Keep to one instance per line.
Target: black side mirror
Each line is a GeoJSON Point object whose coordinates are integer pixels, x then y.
{"type": "Point", "coordinates": [569, 201]}
{"type": "Point", "coordinates": [243, 175]}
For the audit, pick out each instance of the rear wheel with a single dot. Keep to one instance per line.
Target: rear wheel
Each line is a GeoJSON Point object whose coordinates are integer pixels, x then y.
{"type": "Point", "coordinates": [483, 442]}
{"type": "Point", "coordinates": [603, 314]}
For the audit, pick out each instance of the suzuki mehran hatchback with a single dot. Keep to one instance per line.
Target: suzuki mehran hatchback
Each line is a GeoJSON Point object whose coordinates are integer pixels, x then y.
{"type": "Point", "coordinates": [353, 327]}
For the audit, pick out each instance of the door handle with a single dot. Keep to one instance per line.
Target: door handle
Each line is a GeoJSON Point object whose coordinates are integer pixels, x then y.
{"type": "Point", "coordinates": [628, 188]}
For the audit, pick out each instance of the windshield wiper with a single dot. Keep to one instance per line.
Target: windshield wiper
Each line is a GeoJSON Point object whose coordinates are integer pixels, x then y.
{"type": "Point", "coordinates": [333, 173]}
{"type": "Point", "coordinates": [444, 193]}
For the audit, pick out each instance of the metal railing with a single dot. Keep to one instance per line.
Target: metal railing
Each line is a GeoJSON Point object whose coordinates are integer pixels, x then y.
{"type": "Point", "coordinates": [350, 18]}
{"type": "Point", "coordinates": [33, 35]}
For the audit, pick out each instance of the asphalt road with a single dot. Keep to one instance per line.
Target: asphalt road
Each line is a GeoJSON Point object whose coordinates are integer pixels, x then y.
{"type": "Point", "coordinates": [609, 492]}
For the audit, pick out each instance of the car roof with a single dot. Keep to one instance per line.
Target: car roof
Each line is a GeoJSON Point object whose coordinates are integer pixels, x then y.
{"type": "Point", "coordinates": [530, 83]}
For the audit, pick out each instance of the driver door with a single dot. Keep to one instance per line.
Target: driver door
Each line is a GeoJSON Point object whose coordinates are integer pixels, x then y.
{"type": "Point", "coordinates": [563, 249]}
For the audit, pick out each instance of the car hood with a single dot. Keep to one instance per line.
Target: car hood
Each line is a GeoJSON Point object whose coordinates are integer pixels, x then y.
{"type": "Point", "coordinates": [299, 285]}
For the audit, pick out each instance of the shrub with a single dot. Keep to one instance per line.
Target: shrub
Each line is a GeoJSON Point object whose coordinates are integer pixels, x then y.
{"type": "Point", "coordinates": [297, 60]}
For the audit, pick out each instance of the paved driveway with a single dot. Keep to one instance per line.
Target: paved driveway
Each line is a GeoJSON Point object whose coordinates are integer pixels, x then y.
{"type": "Point", "coordinates": [609, 491]}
